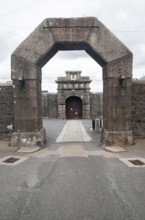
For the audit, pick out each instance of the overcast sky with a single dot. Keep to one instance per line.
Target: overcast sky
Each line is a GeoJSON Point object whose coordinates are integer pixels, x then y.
{"type": "Point", "coordinates": [126, 19]}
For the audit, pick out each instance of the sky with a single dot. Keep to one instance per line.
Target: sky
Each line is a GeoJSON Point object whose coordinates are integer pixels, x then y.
{"type": "Point", "coordinates": [126, 19]}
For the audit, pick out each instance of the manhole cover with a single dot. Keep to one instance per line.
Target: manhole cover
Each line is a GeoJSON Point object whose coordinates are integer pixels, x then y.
{"type": "Point", "coordinates": [11, 160]}
{"type": "Point", "coordinates": [137, 162]}
{"type": "Point", "coordinates": [134, 162]}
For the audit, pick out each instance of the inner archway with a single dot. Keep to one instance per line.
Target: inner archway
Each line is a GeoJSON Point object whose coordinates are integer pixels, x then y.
{"type": "Point", "coordinates": [55, 34]}
{"type": "Point", "coordinates": [71, 60]}
{"type": "Point", "coordinates": [73, 108]}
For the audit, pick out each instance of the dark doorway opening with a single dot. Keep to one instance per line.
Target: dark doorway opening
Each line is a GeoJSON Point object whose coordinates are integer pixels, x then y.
{"type": "Point", "coordinates": [73, 108]}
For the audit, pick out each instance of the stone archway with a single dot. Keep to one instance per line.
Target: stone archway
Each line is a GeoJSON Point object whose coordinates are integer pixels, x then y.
{"type": "Point", "coordinates": [55, 34]}
{"type": "Point", "coordinates": [73, 108]}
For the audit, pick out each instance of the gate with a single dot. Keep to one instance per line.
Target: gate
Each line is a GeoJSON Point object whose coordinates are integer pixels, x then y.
{"type": "Point", "coordinates": [73, 108]}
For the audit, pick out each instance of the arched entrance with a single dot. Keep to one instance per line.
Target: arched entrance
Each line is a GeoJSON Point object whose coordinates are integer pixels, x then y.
{"type": "Point", "coordinates": [55, 34]}
{"type": "Point", "coordinates": [73, 108]}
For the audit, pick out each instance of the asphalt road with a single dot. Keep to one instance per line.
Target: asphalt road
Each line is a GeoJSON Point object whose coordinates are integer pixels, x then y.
{"type": "Point", "coordinates": [71, 188]}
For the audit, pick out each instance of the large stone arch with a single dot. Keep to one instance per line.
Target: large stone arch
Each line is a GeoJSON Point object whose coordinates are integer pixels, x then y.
{"type": "Point", "coordinates": [55, 34]}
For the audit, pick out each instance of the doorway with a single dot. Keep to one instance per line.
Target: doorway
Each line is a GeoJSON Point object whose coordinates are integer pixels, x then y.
{"type": "Point", "coordinates": [73, 108]}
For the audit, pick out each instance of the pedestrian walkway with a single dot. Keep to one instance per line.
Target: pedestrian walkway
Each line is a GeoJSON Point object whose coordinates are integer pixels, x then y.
{"type": "Point", "coordinates": [73, 131]}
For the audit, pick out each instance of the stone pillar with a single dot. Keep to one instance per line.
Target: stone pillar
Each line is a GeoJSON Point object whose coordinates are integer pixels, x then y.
{"type": "Point", "coordinates": [86, 104]}
{"type": "Point", "coordinates": [117, 109]}
{"type": "Point", "coordinates": [86, 111]}
{"type": "Point", "coordinates": [27, 106]}
{"type": "Point", "coordinates": [27, 99]}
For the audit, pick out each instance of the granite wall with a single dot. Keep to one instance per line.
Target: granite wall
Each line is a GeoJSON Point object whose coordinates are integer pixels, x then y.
{"type": "Point", "coordinates": [96, 105]}
{"type": "Point", "coordinates": [49, 106]}
{"type": "Point", "coordinates": [6, 110]}
{"type": "Point", "coordinates": [138, 108]}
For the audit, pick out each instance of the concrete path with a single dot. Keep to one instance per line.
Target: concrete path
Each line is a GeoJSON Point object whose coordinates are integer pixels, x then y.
{"type": "Point", "coordinates": [73, 131]}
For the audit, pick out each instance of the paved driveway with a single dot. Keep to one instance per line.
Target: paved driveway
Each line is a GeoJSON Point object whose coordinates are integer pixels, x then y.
{"type": "Point", "coordinates": [71, 181]}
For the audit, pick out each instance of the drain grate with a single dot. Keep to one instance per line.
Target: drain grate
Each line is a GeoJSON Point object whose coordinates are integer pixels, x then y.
{"type": "Point", "coordinates": [137, 162]}
{"type": "Point", "coordinates": [12, 160]}
{"type": "Point", "coordinates": [134, 162]}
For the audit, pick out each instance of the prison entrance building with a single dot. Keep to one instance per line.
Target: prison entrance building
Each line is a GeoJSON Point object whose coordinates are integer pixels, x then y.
{"type": "Point", "coordinates": [73, 99]}
{"type": "Point", "coordinates": [73, 96]}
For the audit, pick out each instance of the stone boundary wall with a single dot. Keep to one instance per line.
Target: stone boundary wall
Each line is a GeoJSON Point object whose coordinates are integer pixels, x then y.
{"type": "Point", "coordinates": [45, 103]}
{"type": "Point", "coordinates": [49, 105]}
{"type": "Point", "coordinates": [96, 105]}
{"type": "Point", "coordinates": [138, 108]}
{"type": "Point", "coordinates": [6, 110]}
{"type": "Point", "coordinates": [50, 108]}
